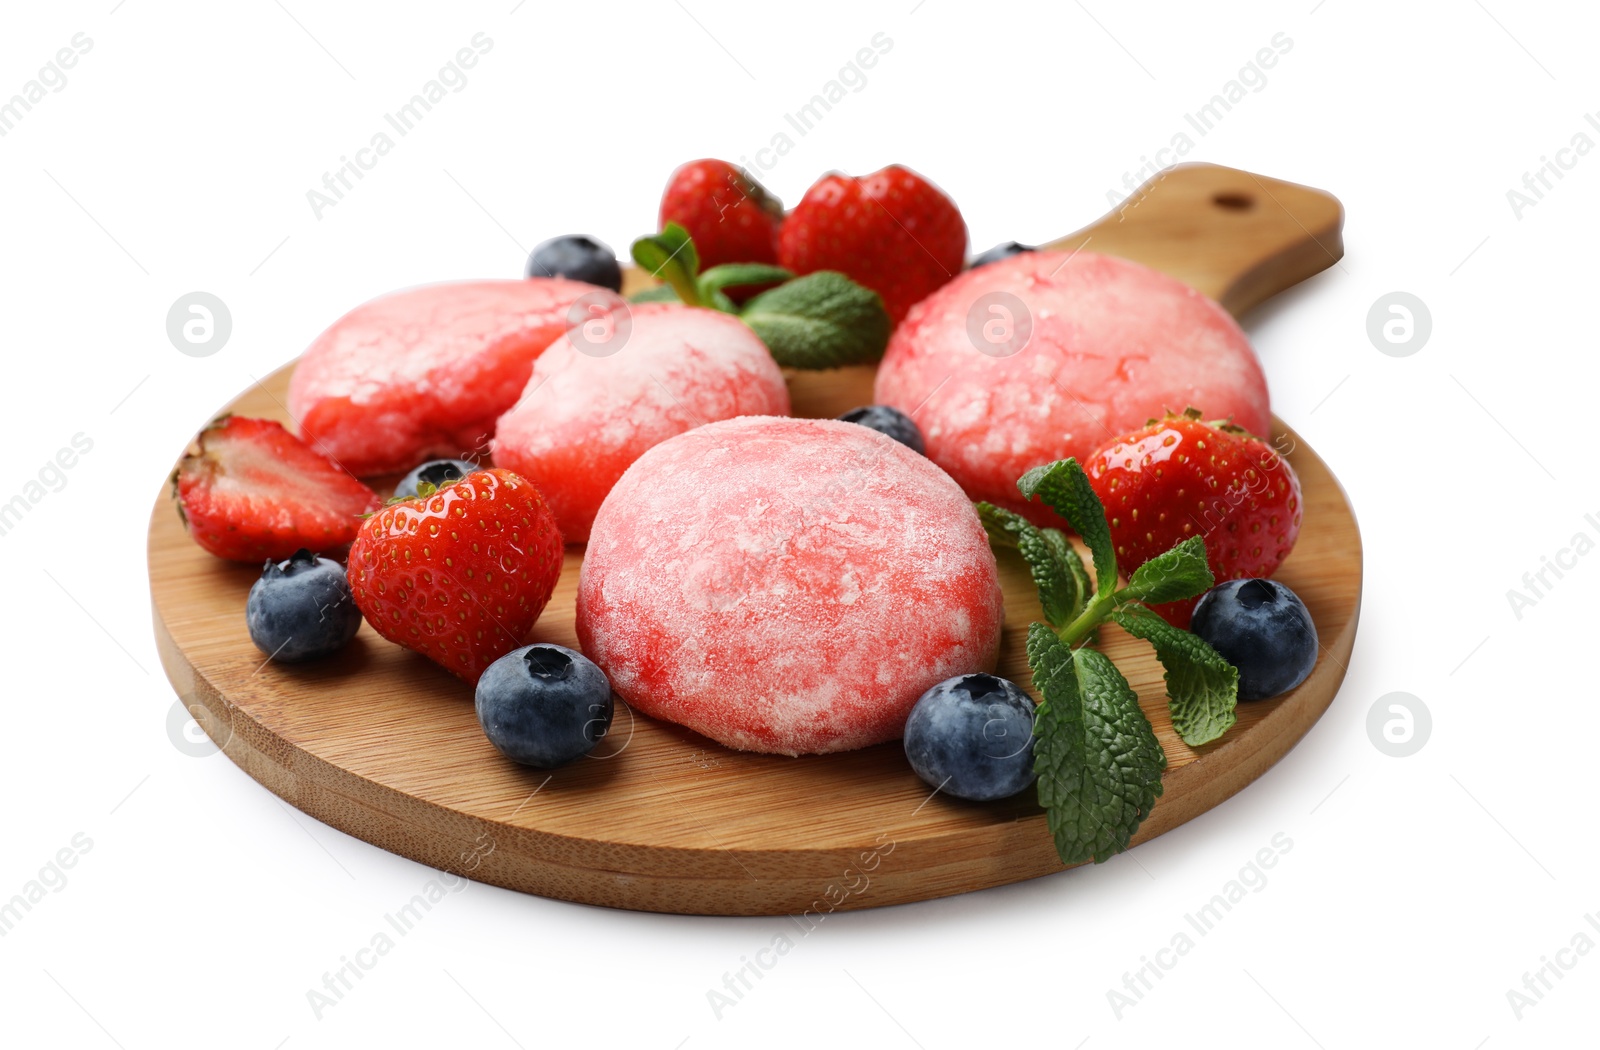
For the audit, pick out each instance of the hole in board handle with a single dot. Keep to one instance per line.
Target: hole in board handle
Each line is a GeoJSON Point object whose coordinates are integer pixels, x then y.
{"type": "Point", "coordinates": [1232, 200]}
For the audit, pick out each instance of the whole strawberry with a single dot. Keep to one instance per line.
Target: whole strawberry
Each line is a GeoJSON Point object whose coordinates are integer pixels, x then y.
{"type": "Point", "coordinates": [248, 490]}
{"type": "Point", "coordinates": [1182, 477]}
{"type": "Point", "coordinates": [461, 573]}
{"type": "Point", "coordinates": [730, 216]}
{"type": "Point", "coordinates": [892, 231]}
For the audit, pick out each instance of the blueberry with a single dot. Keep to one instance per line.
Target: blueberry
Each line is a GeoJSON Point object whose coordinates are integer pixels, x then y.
{"type": "Point", "coordinates": [891, 421]}
{"type": "Point", "coordinates": [578, 257]}
{"type": "Point", "coordinates": [544, 705]}
{"type": "Point", "coordinates": [301, 609]}
{"type": "Point", "coordinates": [1263, 629]}
{"type": "Point", "coordinates": [973, 736]}
{"type": "Point", "coordinates": [436, 472]}
{"type": "Point", "coordinates": [1000, 251]}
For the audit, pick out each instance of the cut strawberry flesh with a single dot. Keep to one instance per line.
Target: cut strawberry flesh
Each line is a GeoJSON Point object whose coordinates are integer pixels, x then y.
{"type": "Point", "coordinates": [251, 490]}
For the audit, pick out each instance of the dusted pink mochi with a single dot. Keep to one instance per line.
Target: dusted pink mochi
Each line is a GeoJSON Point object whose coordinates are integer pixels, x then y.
{"type": "Point", "coordinates": [786, 585]}
{"type": "Point", "coordinates": [599, 398]}
{"type": "Point", "coordinates": [425, 372]}
{"type": "Point", "coordinates": [1113, 345]}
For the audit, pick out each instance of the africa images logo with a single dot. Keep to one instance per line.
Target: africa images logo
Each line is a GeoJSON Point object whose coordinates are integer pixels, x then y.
{"type": "Point", "coordinates": [450, 79]}
{"type": "Point", "coordinates": [52, 76]}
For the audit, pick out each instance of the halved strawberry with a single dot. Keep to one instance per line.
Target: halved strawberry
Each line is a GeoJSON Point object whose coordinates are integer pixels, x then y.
{"type": "Point", "coordinates": [249, 490]}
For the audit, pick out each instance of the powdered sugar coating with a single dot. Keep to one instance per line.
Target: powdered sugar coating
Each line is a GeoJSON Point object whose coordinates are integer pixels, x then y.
{"type": "Point", "coordinates": [786, 585]}
{"type": "Point", "coordinates": [585, 418]}
{"type": "Point", "coordinates": [425, 372]}
{"type": "Point", "coordinates": [1113, 345]}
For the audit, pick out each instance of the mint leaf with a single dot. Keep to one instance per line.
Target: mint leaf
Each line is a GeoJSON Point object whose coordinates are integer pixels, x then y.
{"type": "Point", "coordinates": [1060, 594]}
{"type": "Point", "coordinates": [1202, 687]}
{"type": "Point", "coordinates": [1098, 761]}
{"type": "Point", "coordinates": [1068, 554]}
{"type": "Point", "coordinates": [1179, 573]}
{"type": "Point", "coordinates": [670, 257]}
{"type": "Point", "coordinates": [661, 293]}
{"type": "Point", "coordinates": [733, 275]}
{"type": "Point", "coordinates": [1065, 489]}
{"type": "Point", "coordinates": [821, 320]}
{"type": "Point", "coordinates": [673, 245]}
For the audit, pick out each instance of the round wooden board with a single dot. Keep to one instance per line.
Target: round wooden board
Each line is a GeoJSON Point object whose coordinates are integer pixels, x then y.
{"type": "Point", "coordinates": [385, 746]}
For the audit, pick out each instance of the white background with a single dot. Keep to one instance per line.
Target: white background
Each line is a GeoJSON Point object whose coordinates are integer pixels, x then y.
{"type": "Point", "coordinates": [1418, 890]}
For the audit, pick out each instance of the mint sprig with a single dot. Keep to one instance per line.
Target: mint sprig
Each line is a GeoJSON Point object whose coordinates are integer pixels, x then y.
{"type": "Point", "coordinates": [1097, 757]}
{"type": "Point", "coordinates": [820, 320]}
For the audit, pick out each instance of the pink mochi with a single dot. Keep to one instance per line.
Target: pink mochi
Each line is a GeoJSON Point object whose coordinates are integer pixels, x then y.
{"type": "Point", "coordinates": [425, 372]}
{"type": "Point", "coordinates": [1112, 345]}
{"type": "Point", "coordinates": [786, 585]}
{"type": "Point", "coordinates": [602, 395]}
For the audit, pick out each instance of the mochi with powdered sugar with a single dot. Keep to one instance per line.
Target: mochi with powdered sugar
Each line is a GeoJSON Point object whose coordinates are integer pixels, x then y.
{"type": "Point", "coordinates": [1047, 355]}
{"type": "Point", "coordinates": [425, 372]}
{"type": "Point", "coordinates": [603, 394]}
{"type": "Point", "coordinates": [786, 585]}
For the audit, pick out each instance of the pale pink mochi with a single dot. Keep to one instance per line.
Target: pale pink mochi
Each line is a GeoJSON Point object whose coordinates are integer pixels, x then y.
{"type": "Point", "coordinates": [786, 585]}
{"type": "Point", "coordinates": [425, 372]}
{"type": "Point", "coordinates": [1113, 344]}
{"type": "Point", "coordinates": [598, 399]}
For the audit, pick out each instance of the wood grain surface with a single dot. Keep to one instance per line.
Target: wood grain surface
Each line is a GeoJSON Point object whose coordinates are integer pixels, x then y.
{"type": "Point", "coordinates": [384, 745]}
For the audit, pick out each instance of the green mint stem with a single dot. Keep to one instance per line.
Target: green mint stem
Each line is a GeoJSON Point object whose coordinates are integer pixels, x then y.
{"type": "Point", "coordinates": [1093, 615]}
{"type": "Point", "coordinates": [1097, 612]}
{"type": "Point", "coordinates": [682, 282]}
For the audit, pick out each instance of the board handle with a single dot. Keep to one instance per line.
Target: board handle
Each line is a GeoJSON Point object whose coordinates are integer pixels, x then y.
{"type": "Point", "coordinates": [1239, 238]}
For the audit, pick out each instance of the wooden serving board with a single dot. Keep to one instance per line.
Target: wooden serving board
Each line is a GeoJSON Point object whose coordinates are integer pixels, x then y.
{"type": "Point", "coordinates": [384, 745]}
